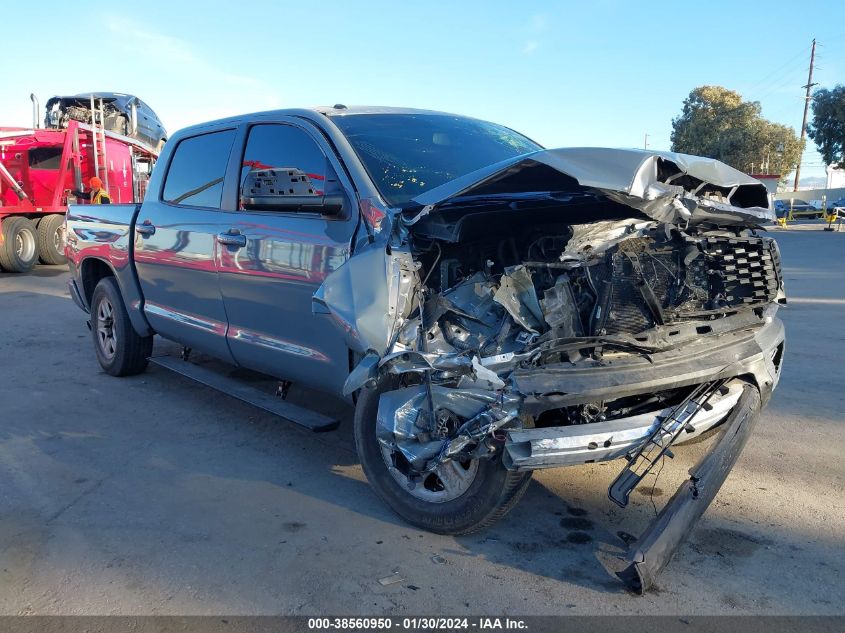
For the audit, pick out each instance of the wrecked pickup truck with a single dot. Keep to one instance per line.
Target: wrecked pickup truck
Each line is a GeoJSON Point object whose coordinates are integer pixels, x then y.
{"type": "Point", "coordinates": [491, 307]}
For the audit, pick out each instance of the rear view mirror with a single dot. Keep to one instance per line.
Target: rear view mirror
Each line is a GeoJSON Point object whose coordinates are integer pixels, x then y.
{"type": "Point", "coordinates": [286, 189]}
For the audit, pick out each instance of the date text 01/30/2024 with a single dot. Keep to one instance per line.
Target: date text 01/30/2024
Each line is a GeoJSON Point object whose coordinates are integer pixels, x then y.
{"type": "Point", "coordinates": [419, 623]}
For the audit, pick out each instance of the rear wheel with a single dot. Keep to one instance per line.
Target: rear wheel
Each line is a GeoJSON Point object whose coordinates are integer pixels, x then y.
{"type": "Point", "coordinates": [51, 239]}
{"type": "Point", "coordinates": [19, 250]}
{"type": "Point", "coordinates": [119, 348]}
{"type": "Point", "coordinates": [459, 497]}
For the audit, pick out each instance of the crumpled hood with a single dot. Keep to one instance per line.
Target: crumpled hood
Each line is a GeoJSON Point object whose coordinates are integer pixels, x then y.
{"type": "Point", "coordinates": [666, 186]}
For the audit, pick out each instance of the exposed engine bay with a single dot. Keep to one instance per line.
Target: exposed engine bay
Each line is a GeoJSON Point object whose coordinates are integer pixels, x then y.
{"type": "Point", "coordinates": [549, 295]}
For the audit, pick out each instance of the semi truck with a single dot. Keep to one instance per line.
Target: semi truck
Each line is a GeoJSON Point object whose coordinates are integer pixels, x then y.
{"type": "Point", "coordinates": [113, 136]}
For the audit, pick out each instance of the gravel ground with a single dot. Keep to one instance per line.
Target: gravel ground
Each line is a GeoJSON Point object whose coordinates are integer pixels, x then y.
{"type": "Point", "coordinates": [152, 495]}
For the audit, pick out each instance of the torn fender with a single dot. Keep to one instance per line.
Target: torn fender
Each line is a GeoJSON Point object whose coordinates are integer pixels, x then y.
{"type": "Point", "coordinates": [370, 296]}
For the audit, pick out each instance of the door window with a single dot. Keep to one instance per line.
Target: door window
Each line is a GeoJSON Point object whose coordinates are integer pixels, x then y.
{"type": "Point", "coordinates": [195, 176]}
{"type": "Point", "coordinates": [281, 161]}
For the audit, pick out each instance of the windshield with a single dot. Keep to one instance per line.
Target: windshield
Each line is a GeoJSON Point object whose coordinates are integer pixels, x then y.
{"type": "Point", "coordinates": [408, 154]}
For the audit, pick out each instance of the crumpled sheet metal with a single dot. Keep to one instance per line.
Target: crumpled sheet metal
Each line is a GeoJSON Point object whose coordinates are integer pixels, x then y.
{"type": "Point", "coordinates": [369, 295]}
{"type": "Point", "coordinates": [518, 296]}
{"type": "Point", "coordinates": [413, 361]}
{"type": "Point", "coordinates": [597, 237]}
{"type": "Point", "coordinates": [684, 208]}
{"type": "Point", "coordinates": [473, 298]}
{"type": "Point", "coordinates": [633, 171]}
{"type": "Point", "coordinates": [364, 371]}
{"type": "Point", "coordinates": [560, 309]}
{"type": "Point", "coordinates": [627, 176]}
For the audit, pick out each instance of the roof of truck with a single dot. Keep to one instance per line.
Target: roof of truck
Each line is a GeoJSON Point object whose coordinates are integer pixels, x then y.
{"type": "Point", "coordinates": [316, 112]}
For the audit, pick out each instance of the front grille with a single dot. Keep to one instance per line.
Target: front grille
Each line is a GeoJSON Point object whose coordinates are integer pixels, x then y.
{"type": "Point", "coordinates": [686, 279]}
{"type": "Point", "coordinates": [743, 271]}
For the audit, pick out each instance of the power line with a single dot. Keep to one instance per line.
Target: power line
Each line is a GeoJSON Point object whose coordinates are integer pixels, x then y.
{"type": "Point", "coordinates": [765, 79]}
{"type": "Point", "coordinates": [773, 88]}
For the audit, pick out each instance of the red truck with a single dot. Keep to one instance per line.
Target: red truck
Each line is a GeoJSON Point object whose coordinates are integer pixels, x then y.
{"type": "Point", "coordinates": [84, 136]}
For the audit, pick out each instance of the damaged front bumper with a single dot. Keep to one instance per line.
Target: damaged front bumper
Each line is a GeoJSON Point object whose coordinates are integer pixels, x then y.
{"type": "Point", "coordinates": [532, 449]}
{"type": "Point", "coordinates": [751, 363]}
{"type": "Point", "coordinates": [649, 554]}
{"type": "Point", "coordinates": [755, 355]}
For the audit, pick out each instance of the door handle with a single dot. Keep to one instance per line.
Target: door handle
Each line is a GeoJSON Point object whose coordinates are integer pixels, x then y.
{"type": "Point", "coordinates": [232, 237]}
{"type": "Point", "coordinates": [146, 228]}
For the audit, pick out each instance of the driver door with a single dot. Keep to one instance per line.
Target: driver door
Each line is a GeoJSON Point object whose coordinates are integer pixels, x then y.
{"type": "Point", "coordinates": [279, 258]}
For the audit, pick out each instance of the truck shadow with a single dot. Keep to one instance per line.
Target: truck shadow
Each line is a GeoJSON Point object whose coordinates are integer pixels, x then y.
{"type": "Point", "coordinates": [40, 270]}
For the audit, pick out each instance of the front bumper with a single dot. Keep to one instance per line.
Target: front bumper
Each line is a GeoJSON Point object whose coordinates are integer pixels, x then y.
{"type": "Point", "coordinates": [755, 352]}
{"type": "Point", "coordinates": [755, 355]}
{"type": "Point", "coordinates": [531, 449]}
{"type": "Point", "coordinates": [652, 551]}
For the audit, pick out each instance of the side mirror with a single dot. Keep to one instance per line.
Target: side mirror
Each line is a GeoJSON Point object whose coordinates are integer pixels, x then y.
{"type": "Point", "coordinates": [286, 189]}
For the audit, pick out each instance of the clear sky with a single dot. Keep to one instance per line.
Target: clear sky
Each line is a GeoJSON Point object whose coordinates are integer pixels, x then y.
{"type": "Point", "coordinates": [600, 72]}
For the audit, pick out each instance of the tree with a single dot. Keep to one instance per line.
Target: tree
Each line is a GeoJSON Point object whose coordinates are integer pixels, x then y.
{"type": "Point", "coordinates": [716, 122]}
{"type": "Point", "coordinates": [827, 128]}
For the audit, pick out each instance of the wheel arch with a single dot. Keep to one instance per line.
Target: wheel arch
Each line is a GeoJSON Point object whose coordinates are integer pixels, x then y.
{"type": "Point", "coordinates": [91, 271]}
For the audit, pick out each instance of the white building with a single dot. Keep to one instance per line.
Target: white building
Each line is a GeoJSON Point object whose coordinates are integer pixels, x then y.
{"type": "Point", "coordinates": [835, 177]}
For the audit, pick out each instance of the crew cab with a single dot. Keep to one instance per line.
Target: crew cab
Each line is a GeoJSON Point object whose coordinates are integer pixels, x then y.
{"type": "Point", "coordinates": [489, 306]}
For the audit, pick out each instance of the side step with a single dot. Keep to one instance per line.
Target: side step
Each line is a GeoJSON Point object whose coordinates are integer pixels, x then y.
{"type": "Point", "coordinates": [233, 387]}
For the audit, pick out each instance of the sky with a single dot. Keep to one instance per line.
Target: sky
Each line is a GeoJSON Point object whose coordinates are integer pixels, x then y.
{"type": "Point", "coordinates": [598, 73]}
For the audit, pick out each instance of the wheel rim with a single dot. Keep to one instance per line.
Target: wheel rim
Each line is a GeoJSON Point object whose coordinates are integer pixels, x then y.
{"type": "Point", "coordinates": [448, 481]}
{"type": "Point", "coordinates": [106, 335]}
{"type": "Point", "coordinates": [25, 246]}
{"type": "Point", "coordinates": [59, 239]}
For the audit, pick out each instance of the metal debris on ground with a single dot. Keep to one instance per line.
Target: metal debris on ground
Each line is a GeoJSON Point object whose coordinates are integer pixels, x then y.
{"type": "Point", "coordinates": [390, 580]}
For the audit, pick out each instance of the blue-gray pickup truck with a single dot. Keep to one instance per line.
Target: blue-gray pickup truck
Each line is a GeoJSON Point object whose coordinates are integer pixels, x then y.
{"type": "Point", "coordinates": [489, 307]}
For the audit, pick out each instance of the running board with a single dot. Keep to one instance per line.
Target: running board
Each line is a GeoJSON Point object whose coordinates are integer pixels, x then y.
{"type": "Point", "coordinates": [233, 387]}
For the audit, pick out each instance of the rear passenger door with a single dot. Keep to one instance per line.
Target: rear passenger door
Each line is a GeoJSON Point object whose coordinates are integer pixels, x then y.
{"type": "Point", "coordinates": [268, 282]}
{"type": "Point", "coordinates": [175, 245]}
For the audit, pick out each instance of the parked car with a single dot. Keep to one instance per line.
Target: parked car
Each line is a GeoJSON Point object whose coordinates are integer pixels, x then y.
{"type": "Point", "coordinates": [782, 207]}
{"type": "Point", "coordinates": [838, 205]}
{"type": "Point", "coordinates": [490, 307]}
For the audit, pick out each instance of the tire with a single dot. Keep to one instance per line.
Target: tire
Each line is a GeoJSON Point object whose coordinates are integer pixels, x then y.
{"type": "Point", "coordinates": [119, 349]}
{"type": "Point", "coordinates": [19, 250]}
{"type": "Point", "coordinates": [51, 239]}
{"type": "Point", "coordinates": [491, 494]}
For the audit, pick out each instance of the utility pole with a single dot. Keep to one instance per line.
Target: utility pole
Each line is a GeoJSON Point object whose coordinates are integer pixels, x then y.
{"type": "Point", "coordinates": [809, 85]}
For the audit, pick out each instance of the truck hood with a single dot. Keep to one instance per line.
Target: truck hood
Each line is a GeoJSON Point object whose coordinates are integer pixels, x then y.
{"type": "Point", "coordinates": [666, 186]}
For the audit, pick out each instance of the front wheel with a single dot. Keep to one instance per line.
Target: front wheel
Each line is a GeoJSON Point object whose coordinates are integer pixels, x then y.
{"type": "Point", "coordinates": [459, 497]}
{"type": "Point", "coordinates": [119, 348]}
